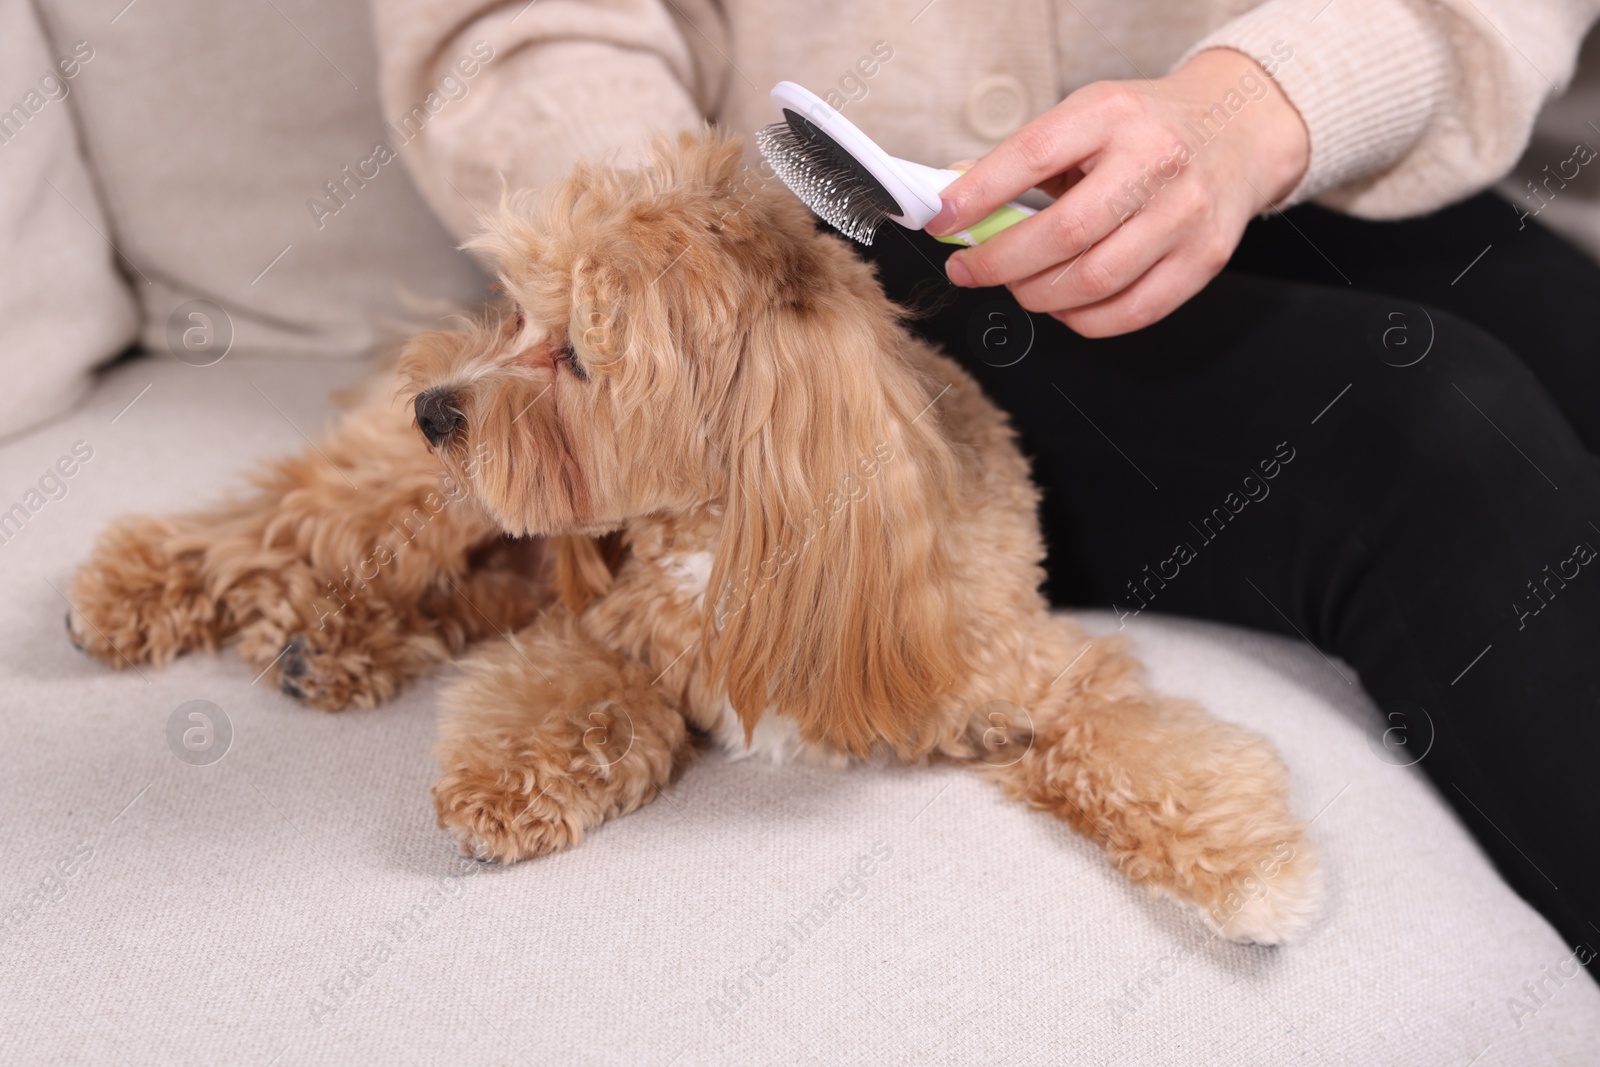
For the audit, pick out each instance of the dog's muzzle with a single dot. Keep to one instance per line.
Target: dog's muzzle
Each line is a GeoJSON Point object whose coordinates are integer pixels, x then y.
{"type": "Point", "coordinates": [438, 416]}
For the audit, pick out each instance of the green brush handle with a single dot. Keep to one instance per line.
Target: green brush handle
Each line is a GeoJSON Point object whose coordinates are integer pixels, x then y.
{"type": "Point", "coordinates": [1004, 217]}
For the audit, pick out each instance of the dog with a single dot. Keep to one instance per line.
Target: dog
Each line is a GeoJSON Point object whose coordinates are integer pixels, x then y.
{"type": "Point", "coordinates": [693, 478]}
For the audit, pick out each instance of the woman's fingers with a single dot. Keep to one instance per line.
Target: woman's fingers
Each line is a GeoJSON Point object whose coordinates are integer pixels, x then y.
{"type": "Point", "coordinates": [1063, 230]}
{"type": "Point", "coordinates": [1057, 187]}
{"type": "Point", "coordinates": [1161, 290]}
{"type": "Point", "coordinates": [1051, 144]}
{"type": "Point", "coordinates": [1107, 268]}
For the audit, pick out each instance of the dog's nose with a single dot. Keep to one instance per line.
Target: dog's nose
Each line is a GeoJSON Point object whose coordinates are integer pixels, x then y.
{"type": "Point", "coordinates": [438, 416]}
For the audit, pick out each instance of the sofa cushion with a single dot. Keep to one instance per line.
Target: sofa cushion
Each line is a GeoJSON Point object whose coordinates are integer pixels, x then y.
{"type": "Point", "coordinates": [293, 902]}
{"type": "Point", "coordinates": [63, 305]}
{"type": "Point", "coordinates": [250, 178]}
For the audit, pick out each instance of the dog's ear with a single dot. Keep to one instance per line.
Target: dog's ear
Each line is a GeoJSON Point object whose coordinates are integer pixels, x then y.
{"type": "Point", "coordinates": [830, 592]}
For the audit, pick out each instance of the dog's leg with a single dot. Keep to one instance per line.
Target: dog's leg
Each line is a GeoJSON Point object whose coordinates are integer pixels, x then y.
{"type": "Point", "coordinates": [143, 595]}
{"type": "Point", "coordinates": [1188, 805]}
{"type": "Point", "coordinates": [346, 572]}
{"type": "Point", "coordinates": [548, 735]}
{"type": "Point", "coordinates": [362, 651]}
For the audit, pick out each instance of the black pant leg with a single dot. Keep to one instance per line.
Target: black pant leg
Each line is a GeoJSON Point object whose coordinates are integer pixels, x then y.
{"type": "Point", "coordinates": [1483, 260]}
{"type": "Point", "coordinates": [1262, 457]}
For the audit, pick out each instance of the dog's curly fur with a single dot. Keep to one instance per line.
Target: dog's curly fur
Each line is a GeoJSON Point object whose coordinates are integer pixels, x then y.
{"type": "Point", "coordinates": [697, 480]}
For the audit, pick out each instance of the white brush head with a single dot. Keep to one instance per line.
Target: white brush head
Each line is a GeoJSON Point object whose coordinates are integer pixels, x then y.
{"type": "Point", "coordinates": [840, 173]}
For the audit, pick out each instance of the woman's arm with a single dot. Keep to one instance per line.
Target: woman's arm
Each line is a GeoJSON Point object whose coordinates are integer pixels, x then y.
{"type": "Point", "coordinates": [1413, 104]}
{"type": "Point", "coordinates": [565, 79]}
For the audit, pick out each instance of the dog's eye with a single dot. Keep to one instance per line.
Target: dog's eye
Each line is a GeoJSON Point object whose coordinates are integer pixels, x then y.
{"type": "Point", "coordinates": [570, 358]}
{"type": "Point", "coordinates": [518, 323]}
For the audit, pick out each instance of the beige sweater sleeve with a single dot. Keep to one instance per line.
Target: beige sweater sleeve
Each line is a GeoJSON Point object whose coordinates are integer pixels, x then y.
{"type": "Point", "coordinates": [565, 79]}
{"type": "Point", "coordinates": [1412, 104]}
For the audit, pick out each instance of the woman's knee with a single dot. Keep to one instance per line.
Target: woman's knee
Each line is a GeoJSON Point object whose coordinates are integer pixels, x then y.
{"type": "Point", "coordinates": [1464, 418]}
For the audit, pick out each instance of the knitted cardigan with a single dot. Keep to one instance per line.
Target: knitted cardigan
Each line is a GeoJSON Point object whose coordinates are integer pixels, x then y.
{"type": "Point", "coordinates": [1410, 104]}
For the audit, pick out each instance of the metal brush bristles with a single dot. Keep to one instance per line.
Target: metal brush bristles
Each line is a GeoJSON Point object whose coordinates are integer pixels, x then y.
{"type": "Point", "coordinates": [812, 169]}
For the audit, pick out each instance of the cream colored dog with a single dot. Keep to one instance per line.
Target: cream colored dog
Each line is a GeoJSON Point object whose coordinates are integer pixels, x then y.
{"type": "Point", "coordinates": [699, 480]}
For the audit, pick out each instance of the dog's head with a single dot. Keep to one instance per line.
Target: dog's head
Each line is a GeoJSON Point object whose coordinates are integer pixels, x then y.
{"type": "Point", "coordinates": [681, 336]}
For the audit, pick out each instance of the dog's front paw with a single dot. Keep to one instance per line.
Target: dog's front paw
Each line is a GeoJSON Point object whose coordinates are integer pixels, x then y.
{"type": "Point", "coordinates": [1274, 900]}
{"type": "Point", "coordinates": [1232, 848]}
{"type": "Point", "coordinates": [507, 803]}
{"type": "Point", "coordinates": [329, 680]}
{"type": "Point", "coordinates": [141, 598]}
{"type": "Point", "coordinates": [1217, 833]}
{"type": "Point", "coordinates": [507, 792]}
{"type": "Point", "coordinates": [359, 660]}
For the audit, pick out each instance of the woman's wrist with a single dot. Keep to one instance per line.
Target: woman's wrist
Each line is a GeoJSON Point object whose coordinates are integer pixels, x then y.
{"type": "Point", "coordinates": [1239, 107]}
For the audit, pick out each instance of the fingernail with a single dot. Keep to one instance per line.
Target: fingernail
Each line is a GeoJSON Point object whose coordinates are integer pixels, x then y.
{"type": "Point", "coordinates": [957, 270]}
{"type": "Point", "coordinates": [945, 221]}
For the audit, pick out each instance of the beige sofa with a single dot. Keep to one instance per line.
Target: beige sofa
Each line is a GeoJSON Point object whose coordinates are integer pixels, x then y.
{"type": "Point", "coordinates": [284, 898]}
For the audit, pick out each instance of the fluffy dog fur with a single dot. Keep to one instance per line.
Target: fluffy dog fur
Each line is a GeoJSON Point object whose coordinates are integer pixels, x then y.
{"type": "Point", "coordinates": [697, 479]}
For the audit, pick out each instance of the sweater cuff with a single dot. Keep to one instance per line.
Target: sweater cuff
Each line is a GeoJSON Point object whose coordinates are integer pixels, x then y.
{"type": "Point", "coordinates": [1367, 79]}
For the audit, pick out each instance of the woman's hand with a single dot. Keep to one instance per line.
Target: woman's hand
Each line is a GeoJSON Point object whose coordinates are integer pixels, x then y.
{"type": "Point", "coordinates": [1156, 179]}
